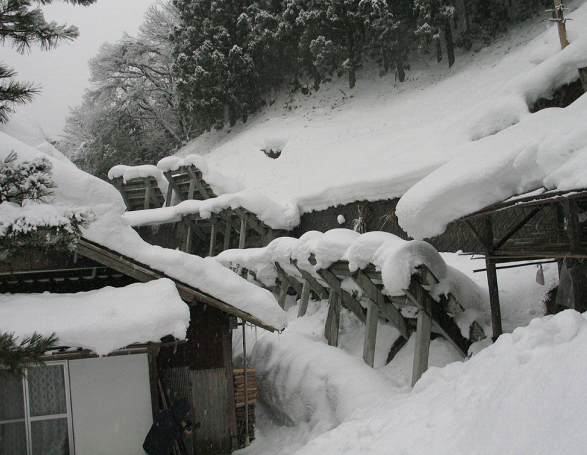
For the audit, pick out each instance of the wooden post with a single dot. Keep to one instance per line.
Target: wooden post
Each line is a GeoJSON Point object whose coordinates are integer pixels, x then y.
{"type": "Point", "coordinates": [334, 313]}
{"type": "Point", "coordinates": [370, 333]}
{"type": "Point", "coordinates": [559, 18]}
{"type": "Point", "coordinates": [213, 237]}
{"type": "Point", "coordinates": [227, 231]}
{"type": "Point", "coordinates": [283, 292]}
{"type": "Point", "coordinates": [492, 279]}
{"type": "Point", "coordinates": [422, 349]}
{"type": "Point", "coordinates": [304, 299]}
{"type": "Point", "coordinates": [243, 234]}
{"type": "Point", "coordinates": [247, 440]}
{"type": "Point", "coordinates": [576, 269]}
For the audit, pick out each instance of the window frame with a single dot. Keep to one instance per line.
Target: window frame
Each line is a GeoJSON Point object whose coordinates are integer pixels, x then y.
{"type": "Point", "coordinates": [29, 420]}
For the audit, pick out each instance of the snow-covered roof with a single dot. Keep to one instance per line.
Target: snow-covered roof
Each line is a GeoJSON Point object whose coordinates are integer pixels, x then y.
{"type": "Point", "coordinates": [447, 141]}
{"type": "Point", "coordinates": [78, 189]}
{"type": "Point", "coordinates": [102, 320]}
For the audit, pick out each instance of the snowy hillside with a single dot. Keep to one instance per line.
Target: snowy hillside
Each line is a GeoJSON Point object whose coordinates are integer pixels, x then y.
{"type": "Point", "coordinates": [467, 129]}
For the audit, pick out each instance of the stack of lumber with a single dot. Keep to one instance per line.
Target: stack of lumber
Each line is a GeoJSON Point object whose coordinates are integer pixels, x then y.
{"type": "Point", "coordinates": [239, 395]}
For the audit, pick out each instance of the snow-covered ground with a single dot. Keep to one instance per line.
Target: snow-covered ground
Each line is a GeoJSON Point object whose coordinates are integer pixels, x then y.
{"type": "Point", "coordinates": [525, 394]}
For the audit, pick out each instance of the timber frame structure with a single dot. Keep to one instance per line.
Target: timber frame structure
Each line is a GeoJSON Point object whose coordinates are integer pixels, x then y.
{"type": "Point", "coordinates": [527, 230]}
{"type": "Point", "coordinates": [431, 316]}
{"type": "Point", "coordinates": [230, 228]}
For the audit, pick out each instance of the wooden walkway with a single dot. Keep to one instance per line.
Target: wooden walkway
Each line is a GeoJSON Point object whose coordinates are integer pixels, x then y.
{"type": "Point", "coordinates": [432, 316]}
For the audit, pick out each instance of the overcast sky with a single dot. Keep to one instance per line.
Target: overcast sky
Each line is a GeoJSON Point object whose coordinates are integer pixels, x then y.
{"type": "Point", "coordinates": [63, 72]}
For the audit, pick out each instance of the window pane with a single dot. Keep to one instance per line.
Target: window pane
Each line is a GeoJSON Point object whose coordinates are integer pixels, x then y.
{"type": "Point", "coordinates": [50, 437]}
{"type": "Point", "coordinates": [47, 390]}
{"type": "Point", "coordinates": [13, 438]}
{"type": "Point", "coordinates": [11, 399]}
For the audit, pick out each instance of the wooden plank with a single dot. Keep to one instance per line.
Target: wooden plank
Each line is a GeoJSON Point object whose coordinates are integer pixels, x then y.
{"type": "Point", "coordinates": [143, 273]}
{"type": "Point", "coordinates": [244, 215]}
{"type": "Point", "coordinates": [213, 237]}
{"type": "Point", "coordinates": [227, 231]}
{"type": "Point", "coordinates": [332, 319]}
{"type": "Point", "coordinates": [283, 293]}
{"type": "Point", "coordinates": [173, 184]}
{"type": "Point", "coordinates": [422, 349]}
{"type": "Point", "coordinates": [305, 296]}
{"type": "Point", "coordinates": [348, 300]}
{"type": "Point", "coordinates": [370, 333]}
{"type": "Point", "coordinates": [119, 184]}
{"type": "Point", "coordinates": [315, 285]}
{"type": "Point", "coordinates": [389, 311]}
{"type": "Point", "coordinates": [295, 284]}
{"type": "Point", "coordinates": [242, 238]}
{"type": "Point", "coordinates": [445, 325]}
{"type": "Point", "coordinates": [201, 189]}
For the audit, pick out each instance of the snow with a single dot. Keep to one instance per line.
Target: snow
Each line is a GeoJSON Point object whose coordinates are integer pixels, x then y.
{"type": "Point", "coordinates": [276, 216]}
{"type": "Point", "coordinates": [445, 141]}
{"type": "Point", "coordinates": [102, 320]}
{"type": "Point", "coordinates": [77, 189]}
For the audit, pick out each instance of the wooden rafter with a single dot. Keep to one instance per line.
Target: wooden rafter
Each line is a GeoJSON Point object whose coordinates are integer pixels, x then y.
{"type": "Point", "coordinates": [144, 273]}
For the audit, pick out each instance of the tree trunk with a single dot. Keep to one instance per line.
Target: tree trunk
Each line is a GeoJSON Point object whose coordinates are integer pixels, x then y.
{"type": "Point", "coordinates": [399, 63]}
{"type": "Point", "coordinates": [351, 55]}
{"type": "Point", "coordinates": [438, 50]}
{"type": "Point", "coordinates": [450, 50]}
{"type": "Point", "coordinates": [317, 78]}
{"type": "Point", "coordinates": [385, 59]}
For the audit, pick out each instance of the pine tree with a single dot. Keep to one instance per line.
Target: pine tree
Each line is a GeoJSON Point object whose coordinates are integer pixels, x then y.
{"type": "Point", "coordinates": [23, 26]}
{"type": "Point", "coordinates": [23, 184]}
{"type": "Point", "coordinates": [15, 356]}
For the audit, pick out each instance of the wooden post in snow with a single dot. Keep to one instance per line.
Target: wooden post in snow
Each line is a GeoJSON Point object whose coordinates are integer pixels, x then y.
{"type": "Point", "coordinates": [370, 333]}
{"type": "Point", "coordinates": [247, 440]}
{"type": "Point", "coordinates": [304, 299]}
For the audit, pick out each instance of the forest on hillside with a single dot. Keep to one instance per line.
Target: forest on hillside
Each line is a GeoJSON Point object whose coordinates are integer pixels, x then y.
{"type": "Point", "coordinates": [202, 64]}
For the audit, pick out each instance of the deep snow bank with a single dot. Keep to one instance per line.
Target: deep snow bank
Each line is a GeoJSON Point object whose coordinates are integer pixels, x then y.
{"type": "Point", "coordinates": [525, 394]}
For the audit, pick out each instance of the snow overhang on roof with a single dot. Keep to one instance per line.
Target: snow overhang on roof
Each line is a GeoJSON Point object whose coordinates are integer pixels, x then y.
{"type": "Point", "coordinates": [103, 320]}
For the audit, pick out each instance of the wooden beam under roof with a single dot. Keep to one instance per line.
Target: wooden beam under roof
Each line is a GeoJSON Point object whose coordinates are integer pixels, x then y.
{"type": "Point", "coordinates": [145, 273]}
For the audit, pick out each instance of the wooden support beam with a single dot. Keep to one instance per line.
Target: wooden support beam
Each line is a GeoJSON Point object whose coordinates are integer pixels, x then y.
{"type": "Point", "coordinates": [576, 269]}
{"type": "Point", "coordinates": [295, 284]}
{"type": "Point", "coordinates": [173, 184]}
{"type": "Point", "coordinates": [388, 310]}
{"type": "Point", "coordinates": [445, 324]}
{"type": "Point", "coordinates": [251, 222]}
{"type": "Point", "coordinates": [304, 299]}
{"type": "Point", "coordinates": [242, 237]}
{"type": "Point", "coordinates": [119, 184]}
{"type": "Point", "coordinates": [516, 228]}
{"type": "Point", "coordinates": [143, 273]}
{"type": "Point", "coordinates": [227, 231]}
{"type": "Point", "coordinates": [194, 227]}
{"type": "Point", "coordinates": [370, 333]}
{"type": "Point", "coordinates": [333, 318]}
{"type": "Point", "coordinates": [492, 279]}
{"type": "Point", "coordinates": [213, 231]}
{"type": "Point", "coordinates": [422, 349]}
{"type": "Point", "coordinates": [316, 286]}
{"type": "Point", "coordinates": [283, 293]}
{"type": "Point", "coordinates": [201, 188]}
{"type": "Point", "coordinates": [150, 194]}
{"type": "Point", "coordinates": [348, 300]}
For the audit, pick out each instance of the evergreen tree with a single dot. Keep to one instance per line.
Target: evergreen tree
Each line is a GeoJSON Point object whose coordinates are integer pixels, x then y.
{"type": "Point", "coordinates": [16, 356]}
{"type": "Point", "coordinates": [434, 17]}
{"type": "Point", "coordinates": [23, 184]}
{"type": "Point", "coordinates": [23, 26]}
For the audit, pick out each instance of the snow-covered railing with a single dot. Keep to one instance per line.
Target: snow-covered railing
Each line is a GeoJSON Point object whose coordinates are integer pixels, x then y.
{"type": "Point", "coordinates": [373, 275]}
